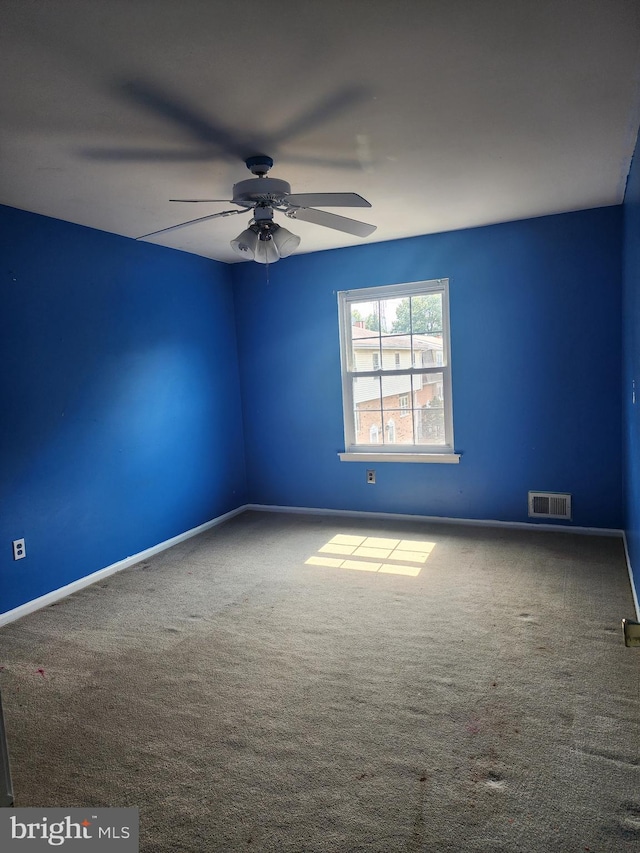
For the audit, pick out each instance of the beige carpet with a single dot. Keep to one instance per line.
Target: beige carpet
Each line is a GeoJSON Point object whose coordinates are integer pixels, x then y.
{"type": "Point", "coordinates": [451, 688]}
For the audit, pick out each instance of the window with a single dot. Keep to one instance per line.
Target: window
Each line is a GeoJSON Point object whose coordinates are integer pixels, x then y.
{"type": "Point", "coordinates": [397, 377]}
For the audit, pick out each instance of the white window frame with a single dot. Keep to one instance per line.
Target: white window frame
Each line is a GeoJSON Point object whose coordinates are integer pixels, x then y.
{"type": "Point", "coordinates": [395, 452]}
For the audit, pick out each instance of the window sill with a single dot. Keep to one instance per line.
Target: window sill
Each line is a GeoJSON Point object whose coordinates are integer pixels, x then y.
{"type": "Point", "coordinates": [446, 458]}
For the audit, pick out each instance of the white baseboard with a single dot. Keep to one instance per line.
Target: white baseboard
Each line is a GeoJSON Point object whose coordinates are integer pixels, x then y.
{"type": "Point", "coordinates": [75, 586]}
{"type": "Point", "coordinates": [81, 583]}
{"type": "Point", "coordinates": [437, 519]}
{"type": "Point", "coordinates": [634, 592]}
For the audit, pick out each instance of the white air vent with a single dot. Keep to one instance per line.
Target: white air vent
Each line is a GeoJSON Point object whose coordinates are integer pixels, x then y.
{"type": "Point", "coordinates": [549, 505]}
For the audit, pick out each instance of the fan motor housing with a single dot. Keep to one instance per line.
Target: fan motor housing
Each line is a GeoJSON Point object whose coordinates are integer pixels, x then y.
{"type": "Point", "coordinates": [256, 190]}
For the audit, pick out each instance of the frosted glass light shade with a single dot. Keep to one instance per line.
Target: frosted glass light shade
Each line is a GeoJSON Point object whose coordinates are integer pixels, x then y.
{"type": "Point", "coordinates": [280, 243]}
{"type": "Point", "coordinates": [266, 252]}
{"type": "Point", "coordinates": [245, 244]}
{"type": "Point", "coordinates": [286, 242]}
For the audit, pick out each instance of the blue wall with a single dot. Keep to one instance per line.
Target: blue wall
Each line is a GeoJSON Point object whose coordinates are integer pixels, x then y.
{"type": "Point", "coordinates": [121, 422]}
{"type": "Point", "coordinates": [631, 276]}
{"type": "Point", "coordinates": [127, 372]}
{"type": "Point", "coordinates": [536, 365]}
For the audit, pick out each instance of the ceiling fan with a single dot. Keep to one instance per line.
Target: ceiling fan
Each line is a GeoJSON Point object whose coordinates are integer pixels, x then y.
{"type": "Point", "coordinates": [264, 240]}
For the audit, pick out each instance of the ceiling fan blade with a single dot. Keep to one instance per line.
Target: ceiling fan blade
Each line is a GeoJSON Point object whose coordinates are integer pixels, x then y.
{"type": "Point", "coordinates": [197, 200]}
{"type": "Point", "coordinates": [324, 162]}
{"type": "Point", "coordinates": [178, 111]}
{"type": "Point", "coordinates": [327, 200]}
{"type": "Point", "coordinates": [191, 222]}
{"type": "Point", "coordinates": [334, 104]}
{"type": "Point", "coordinates": [221, 142]}
{"type": "Point", "coordinates": [331, 220]}
{"type": "Point", "coordinates": [148, 154]}
{"type": "Point", "coordinates": [212, 152]}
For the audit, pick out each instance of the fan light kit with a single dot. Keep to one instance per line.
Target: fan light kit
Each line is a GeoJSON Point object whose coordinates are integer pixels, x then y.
{"type": "Point", "coordinates": [264, 241]}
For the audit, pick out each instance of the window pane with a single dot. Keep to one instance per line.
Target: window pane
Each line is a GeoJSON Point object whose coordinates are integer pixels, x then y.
{"type": "Point", "coordinates": [396, 352]}
{"type": "Point", "coordinates": [394, 387]}
{"type": "Point", "coordinates": [366, 392]}
{"type": "Point", "coordinates": [369, 426]}
{"type": "Point", "coordinates": [426, 313]}
{"type": "Point", "coordinates": [366, 316]}
{"type": "Point", "coordinates": [398, 428]}
{"type": "Point", "coordinates": [398, 311]}
{"type": "Point", "coordinates": [427, 350]}
{"type": "Point", "coordinates": [428, 390]}
{"type": "Point", "coordinates": [365, 336]}
{"type": "Point", "coordinates": [388, 311]}
{"type": "Point", "coordinates": [365, 354]}
{"type": "Point", "coordinates": [429, 409]}
{"type": "Point", "coordinates": [367, 406]}
{"type": "Point", "coordinates": [429, 426]}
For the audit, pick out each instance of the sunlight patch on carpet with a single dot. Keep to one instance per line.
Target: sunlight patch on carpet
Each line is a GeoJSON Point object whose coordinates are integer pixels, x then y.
{"type": "Point", "coordinates": [372, 553]}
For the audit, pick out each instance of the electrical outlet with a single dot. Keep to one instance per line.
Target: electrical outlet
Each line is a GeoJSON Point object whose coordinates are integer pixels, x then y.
{"type": "Point", "coordinates": [19, 550]}
{"type": "Point", "coordinates": [371, 476]}
{"type": "Point", "coordinates": [631, 632]}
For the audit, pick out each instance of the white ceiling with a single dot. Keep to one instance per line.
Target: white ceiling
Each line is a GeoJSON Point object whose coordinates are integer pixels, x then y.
{"type": "Point", "coordinates": [444, 115]}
